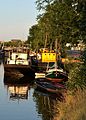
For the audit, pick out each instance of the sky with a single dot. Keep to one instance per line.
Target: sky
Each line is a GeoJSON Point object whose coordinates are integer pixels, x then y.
{"type": "Point", "coordinates": [16, 17]}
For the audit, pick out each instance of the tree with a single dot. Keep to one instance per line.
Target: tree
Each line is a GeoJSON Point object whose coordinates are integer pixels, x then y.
{"type": "Point", "coordinates": [82, 22]}
{"type": "Point", "coordinates": [62, 20]}
{"type": "Point", "coordinates": [35, 38]}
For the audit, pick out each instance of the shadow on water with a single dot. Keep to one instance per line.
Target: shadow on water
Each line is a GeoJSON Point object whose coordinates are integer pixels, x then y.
{"type": "Point", "coordinates": [17, 80]}
{"type": "Point", "coordinates": [55, 96]}
{"type": "Point", "coordinates": [47, 104]}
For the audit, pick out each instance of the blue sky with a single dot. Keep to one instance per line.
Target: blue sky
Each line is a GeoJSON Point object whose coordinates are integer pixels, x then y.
{"type": "Point", "coordinates": [16, 17]}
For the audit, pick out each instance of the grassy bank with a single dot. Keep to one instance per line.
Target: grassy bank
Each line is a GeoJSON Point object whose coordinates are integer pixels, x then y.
{"type": "Point", "coordinates": [74, 106]}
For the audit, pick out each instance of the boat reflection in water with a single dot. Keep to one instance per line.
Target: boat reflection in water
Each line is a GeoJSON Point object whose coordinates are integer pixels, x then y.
{"type": "Point", "coordinates": [47, 104]}
{"type": "Point", "coordinates": [18, 88]}
{"type": "Point", "coordinates": [18, 91]}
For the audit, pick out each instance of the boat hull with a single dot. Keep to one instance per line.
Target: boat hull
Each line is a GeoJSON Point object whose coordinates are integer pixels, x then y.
{"type": "Point", "coordinates": [23, 69]}
{"type": "Point", "coordinates": [50, 87]}
{"type": "Point", "coordinates": [56, 76]}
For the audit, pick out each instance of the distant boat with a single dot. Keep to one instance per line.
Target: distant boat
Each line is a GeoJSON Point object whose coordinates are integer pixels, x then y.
{"type": "Point", "coordinates": [1, 54]}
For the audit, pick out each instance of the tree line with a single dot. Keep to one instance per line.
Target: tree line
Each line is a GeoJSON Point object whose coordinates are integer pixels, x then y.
{"type": "Point", "coordinates": [61, 20]}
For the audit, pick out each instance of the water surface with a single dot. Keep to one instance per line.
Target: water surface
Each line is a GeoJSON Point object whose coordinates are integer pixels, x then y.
{"type": "Point", "coordinates": [23, 102]}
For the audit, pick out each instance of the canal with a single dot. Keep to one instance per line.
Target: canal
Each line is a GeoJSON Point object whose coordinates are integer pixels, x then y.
{"type": "Point", "coordinates": [25, 102]}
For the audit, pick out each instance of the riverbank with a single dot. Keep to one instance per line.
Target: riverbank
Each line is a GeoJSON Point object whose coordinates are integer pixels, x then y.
{"type": "Point", "coordinates": [73, 107]}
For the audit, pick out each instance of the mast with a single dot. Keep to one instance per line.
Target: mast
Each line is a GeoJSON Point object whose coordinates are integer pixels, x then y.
{"type": "Point", "coordinates": [56, 53]}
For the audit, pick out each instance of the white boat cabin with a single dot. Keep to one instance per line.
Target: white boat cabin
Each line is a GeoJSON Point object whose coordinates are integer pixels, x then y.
{"type": "Point", "coordinates": [18, 58]}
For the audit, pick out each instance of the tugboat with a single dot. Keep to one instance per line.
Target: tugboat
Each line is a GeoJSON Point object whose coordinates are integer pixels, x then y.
{"type": "Point", "coordinates": [55, 68]}
{"type": "Point", "coordinates": [56, 73]}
